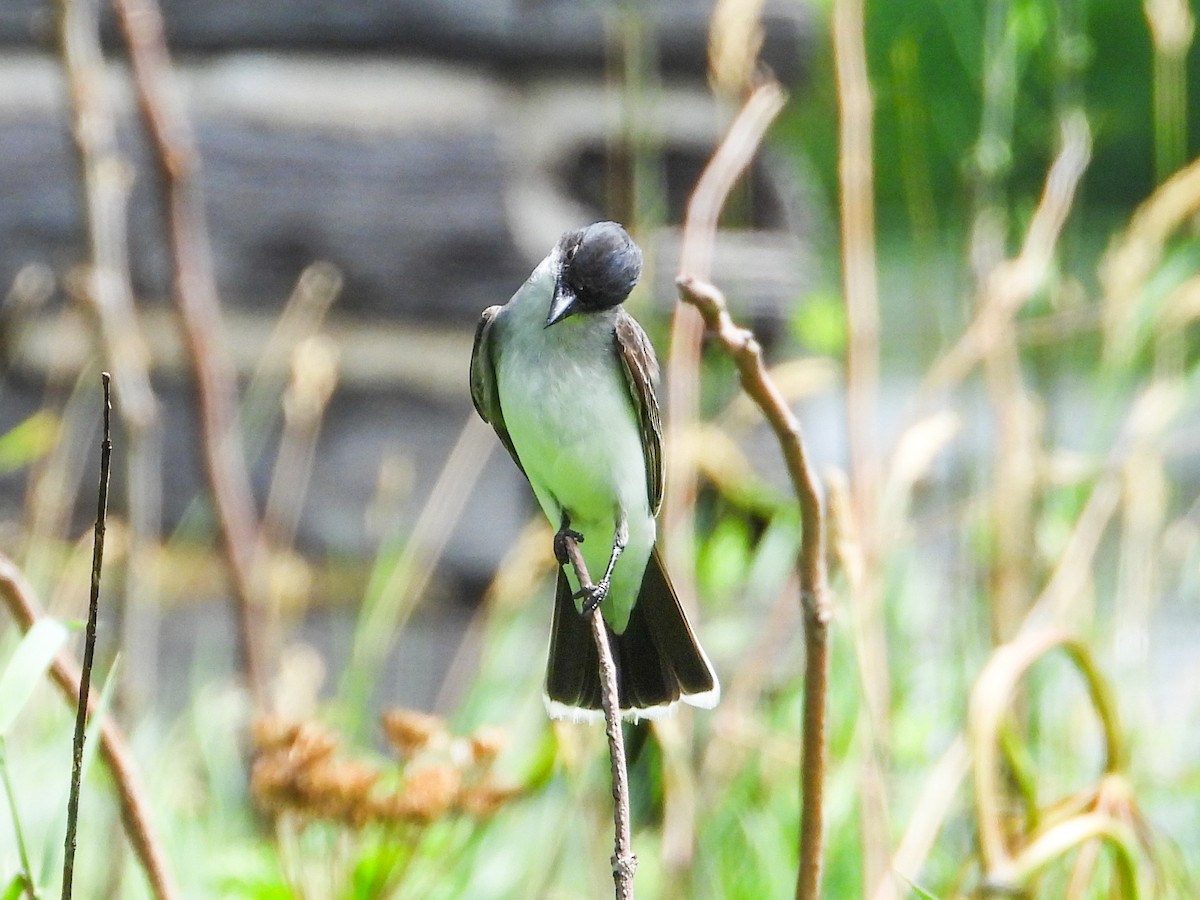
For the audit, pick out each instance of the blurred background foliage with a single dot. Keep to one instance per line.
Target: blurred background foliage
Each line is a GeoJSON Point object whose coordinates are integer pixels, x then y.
{"type": "Point", "coordinates": [1055, 487]}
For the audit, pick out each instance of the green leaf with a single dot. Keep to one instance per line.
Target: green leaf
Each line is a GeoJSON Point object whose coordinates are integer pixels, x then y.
{"type": "Point", "coordinates": [819, 322]}
{"type": "Point", "coordinates": [29, 663]}
{"type": "Point", "coordinates": [15, 888]}
{"type": "Point", "coordinates": [29, 441]}
{"type": "Point", "coordinates": [920, 891]}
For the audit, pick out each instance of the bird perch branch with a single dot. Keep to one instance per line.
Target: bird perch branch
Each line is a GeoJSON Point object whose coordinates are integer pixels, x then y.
{"type": "Point", "coordinates": [624, 863]}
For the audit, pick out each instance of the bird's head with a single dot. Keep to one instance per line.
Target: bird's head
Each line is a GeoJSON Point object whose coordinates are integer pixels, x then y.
{"type": "Point", "coordinates": [596, 269]}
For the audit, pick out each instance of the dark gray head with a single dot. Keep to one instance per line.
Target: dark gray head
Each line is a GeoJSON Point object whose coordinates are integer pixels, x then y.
{"type": "Point", "coordinates": [597, 268]}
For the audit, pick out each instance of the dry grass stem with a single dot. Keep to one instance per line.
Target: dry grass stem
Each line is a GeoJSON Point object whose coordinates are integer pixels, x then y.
{"type": "Point", "coordinates": [860, 296]}
{"type": "Point", "coordinates": [1137, 253]}
{"type": "Point", "coordinates": [106, 288]}
{"type": "Point", "coordinates": [1106, 813]}
{"type": "Point", "coordinates": [1013, 283]}
{"type": "Point", "coordinates": [930, 810]}
{"type": "Point", "coordinates": [731, 158]}
{"type": "Point", "coordinates": [404, 586]}
{"type": "Point", "coordinates": [197, 299]}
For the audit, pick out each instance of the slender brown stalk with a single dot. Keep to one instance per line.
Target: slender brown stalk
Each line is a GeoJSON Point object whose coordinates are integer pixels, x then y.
{"type": "Point", "coordinates": [17, 594]}
{"type": "Point", "coordinates": [856, 178]}
{"type": "Point", "coordinates": [728, 162]}
{"type": "Point", "coordinates": [746, 353]}
{"type": "Point", "coordinates": [106, 289]}
{"type": "Point", "coordinates": [624, 863]}
{"type": "Point", "coordinates": [89, 645]}
{"type": "Point", "coordinates": [199, 306]}
{"type": "Point", "coordinates": [860, 291]}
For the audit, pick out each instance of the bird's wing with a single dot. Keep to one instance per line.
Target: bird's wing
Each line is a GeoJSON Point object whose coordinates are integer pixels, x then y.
{"type": "Point", "coordinates": [641, 374]}
{"type": "Point", "coordinates": [483, 380]}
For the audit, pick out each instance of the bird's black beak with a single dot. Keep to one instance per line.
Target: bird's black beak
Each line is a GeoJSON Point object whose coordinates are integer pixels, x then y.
{"type": "Point", "coordinates": [564, 304]}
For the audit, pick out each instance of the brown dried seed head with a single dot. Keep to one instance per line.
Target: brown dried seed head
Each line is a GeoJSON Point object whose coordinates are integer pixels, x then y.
{"type": "Point", "coordinates": [273, 733]}
{"type": "Point", "coordinates": [311, 744]}
{"type": "Point", "coordinates": [427, 794]}
{"type": "Point", "coordinates": [409, 731]}
{"type": "Point", "coordinates": [486, 744]}
{"type": "Point", "coordinates": [484, 800]}
{"type": "Point", "coordinates": [341, 790]}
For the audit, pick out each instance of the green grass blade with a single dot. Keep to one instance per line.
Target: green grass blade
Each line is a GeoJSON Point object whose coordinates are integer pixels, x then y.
{"type": "Point", "coordinates": [29, 664]}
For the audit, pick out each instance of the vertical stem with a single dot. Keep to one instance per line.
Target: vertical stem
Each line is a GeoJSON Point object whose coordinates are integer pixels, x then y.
{"type": "Point", "coordinates": [856, 177]}
{"type": "Point", "coordinates": [730, 159]}
{"type": "Point", "coordinates": [1172, 27]}
{"type": "Point", "coordinates": [107, 290]}
{"type": "Point", "coordinates": [18, 831]}
{"type": "Point", "coordinates": [196, 296]}
{"type": "Point", "coordinates": [746, 353]}
{"type": "Point", "coordinates": [857, 197]}
{"type": "Point", "coordinates": [624, 863]}
{"type": "Point", "coordinates": [89, 647]}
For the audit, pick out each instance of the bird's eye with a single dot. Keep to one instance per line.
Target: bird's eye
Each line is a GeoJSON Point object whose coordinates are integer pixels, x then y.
{"type": "Point", "coordinates": [571, 251]}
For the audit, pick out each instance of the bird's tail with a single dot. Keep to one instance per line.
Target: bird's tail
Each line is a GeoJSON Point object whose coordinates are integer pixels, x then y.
{"type": "Point", "coordinates": [658, 659]}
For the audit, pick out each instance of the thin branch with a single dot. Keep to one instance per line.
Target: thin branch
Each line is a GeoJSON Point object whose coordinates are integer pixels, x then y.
{"type": "Point", "coordinates": [106, 289]}
{"type": "Point", "coordinates": [729, 161]}
{"type": "Point", "coordinates": [746, 353]}
{"type": "Point", "coordinates": [856, 194]}
{"type": "Point", "coordinates": [89, 644]}
{"type": "Point", "coordinates": [857, 183]}
{"type": "Point", "coordinates": [17, 594]}
{"type": "Point", "coordinates": [624, 863]}
{"type": "Point", "coordinates": [199, 306]}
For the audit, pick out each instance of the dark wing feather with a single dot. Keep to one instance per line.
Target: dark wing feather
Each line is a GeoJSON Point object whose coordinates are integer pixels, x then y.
{"type": "Point", "coordinates": [641, 375]}
{"type": "Point", "coordinates": [483, 380]}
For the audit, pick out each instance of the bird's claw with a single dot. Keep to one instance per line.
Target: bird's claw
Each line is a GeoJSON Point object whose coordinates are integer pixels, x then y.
{"type": "Point", "coordinates": [593, 596]}
{"type": "Point", "coordinates": [560, 543]}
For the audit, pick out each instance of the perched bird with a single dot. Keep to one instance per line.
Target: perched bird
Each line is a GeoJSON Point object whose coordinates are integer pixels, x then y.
{"type": "Point", "coordinates": [567, 378]}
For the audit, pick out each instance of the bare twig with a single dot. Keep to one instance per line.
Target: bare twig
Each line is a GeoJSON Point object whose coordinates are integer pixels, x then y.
{"type": "Point", "coordinates": [728, 162]}
{"type": "Point", "coordinates": [89, 645]}
{"type": "Point", "coordinates": [387, 610]}
{"type": "Point", "coordinates": [746, 354]}
{"type": "Point", "coordinates": [730, 159]}
{"type": "Point", "coordinates": [17, 594]}
{"type": "Point", "coordinates": [196, 296]}
{"type": "Point", "coordinates": [624, 863]}
{"type": "Point", "coordinates": [856, 179]}
{"type": "Point", "coordinates": [856, 184]}
{"type": "Point", "coordinates": [106, 289]}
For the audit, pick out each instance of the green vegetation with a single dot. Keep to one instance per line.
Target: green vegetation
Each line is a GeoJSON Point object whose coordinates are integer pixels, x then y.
{"type": "Point", "coordinates": [1013, 697]}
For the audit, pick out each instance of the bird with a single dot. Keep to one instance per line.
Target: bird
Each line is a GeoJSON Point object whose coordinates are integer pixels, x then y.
{"type": "Point", "coordinates": [567, 378]}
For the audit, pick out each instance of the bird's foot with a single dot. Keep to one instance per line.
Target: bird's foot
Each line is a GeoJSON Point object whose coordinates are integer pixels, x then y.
{"type": "Point", "coordinates": [593, 596]}
{"type": "Point", "coordinates": [560, 543]}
